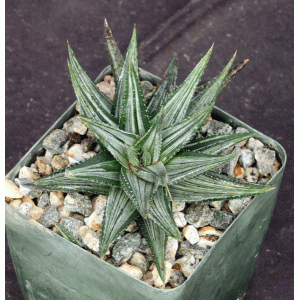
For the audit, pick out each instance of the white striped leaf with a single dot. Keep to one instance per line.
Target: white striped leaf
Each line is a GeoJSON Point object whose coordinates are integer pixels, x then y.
{"type": "Point", "coordinates": [119, 214]}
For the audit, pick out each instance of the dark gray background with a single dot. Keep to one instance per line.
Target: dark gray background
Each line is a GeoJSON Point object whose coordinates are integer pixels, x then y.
{"type": "Point", "coordinates": [38, 88]}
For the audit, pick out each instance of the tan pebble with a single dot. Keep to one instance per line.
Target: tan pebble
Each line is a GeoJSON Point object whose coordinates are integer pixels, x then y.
{"type": "Point", "coordinates": [275, 168]}
{"type": "Point", "coordinates": [171, 249]}
{"type": "Point", "coordinates": [177, 266]}
{"type": "Point", "coordinates": [239, 171]}
{"type": "Point", "coordinates": [209, 230]}
{"type": "Point", "coordinates": [226, 207]}
{"type": "Point", "coordinates": [24, 207]}
{"type": "Point", "coordinates": [109, 79]}
{"type": "Point", "coordinates": [95, 219]}
{"type": "Point", "coordinates": [26, 199]}
{"type": "Point", "coordinates": [78, 217]}
{"type": "Point", "coordinates": [26, 172]}
{"type": "Point", "coordinates": [90, 239]}
{"type": "Point", "coordinates": [58, 162]}
{"type": "Point", "coordinates": [178, 205]}
{"type": "Point", "coordinates": [161, 287]}
{"type": "Point", "coordinates": [33, 168]}
{"type": "Point", "coordinates": [43, 165]}
{"type": "Point", "coordinates": [149, 281]}
{"type": "Point", "coordinates": [15, 203]}
{"type": "Point", "coordinates": [12, 190]}
{"type": "Point", "coordinates": [131, 270]}
{"type": "Point", "coordinates": [63, 213]}
{"type": "Point", "coordinates": [207, 241]}
{"type": "Point", "coordinates": [138, 260]}
{"type": "Point", "coordinates": [75, 152]}
{"type": "Point", "coordinates": [57, 198]}
{"type": "Point", "coordinates": [152, 267]}
{"type": "Point", "coordinates": [157, 280]}
{"type": "Point", "coordinates": [99, 202]}
{"type": "Point", "coordinates": [35, 213]}
{"type": "Point", "coordinates": [148, 275]}
{"type": "Point", "coordinates": [251, 174]}
{"type": "Point", "coordinates": [89, 154]}
{"type": "Point", "coordinates": [8, 200]}
{"type": "Point", "coordinates": [131, 226]}
{"type": "Point", "coordinates": [107, 89]}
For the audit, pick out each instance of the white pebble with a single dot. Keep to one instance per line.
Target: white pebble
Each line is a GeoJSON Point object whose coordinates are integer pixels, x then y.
{"type": "Point", "coordinates": [157, 280]}
{"type": "Point", "coordinates": [179, 219]}
{"type": "Point", "coordinates": [171, 249]}
{"type": "Point", "coordinates": [76, 152]}
{"type": "Point", "coordinates": [131, 270]}
{"type": "Point", "coordinates": [95, 219]}
{"type": "Point", "coordinates": [25, 207]}
{"type": "Point", "coordinates": [191, 234]}
{"type": "Point", "coordinates": [178, 205]}
{"type": "Point", "coordinates": [15, 203]}
{"type": "Point", "coordinates": [12, 190]}
{"type": "Point", "coordinates": [57, 198]}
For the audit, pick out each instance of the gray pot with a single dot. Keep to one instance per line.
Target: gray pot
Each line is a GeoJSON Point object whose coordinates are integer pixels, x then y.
{"type": "Point", "coordinates": [50, 267]}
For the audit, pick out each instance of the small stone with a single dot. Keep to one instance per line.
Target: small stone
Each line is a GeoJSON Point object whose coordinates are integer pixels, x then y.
{"type": "Point", "coordinates": [43, 200]}
{"type": "Point", "coordinates": [87, 144]}
{"type": "Point", "coordinates": [8, 200]}
{"type": "Point", "coordinates": [241, 130]}
{"type": "Point", "coordinates": [187, 265]}
{"type": "Point", "coordinates": [275, 168]}
{"type": "Point", "coordinates": [66, 146]}
{"type": "Point", "coordinates": [55, 141]}
{"type": "Point", "coordinates": [97, 148]}
{"type": "Point", "coordinates": [216, 127]}
{"type": "Point", "coordinates": [89, 238]}
{"type": "Point", "coordinates": [74, 137]}
{"type": "Point", "coordinates": [157, 280]}
{"type": "Point", "coordinates": [263, 181]}
{"type": "Point", "coordinates": [72, 161]}
{"type": "Point", "coordinates": [58, 162]}
{"type": "Point", "coordinates": [15, 203]}
{"type": "Point", "coordinates": [179, 219]}
{"type": "Point", "coordinates": [239, 171]}
{"type": "Point", "coordinates": [75, 202]}
{"type": "Point", "coordinates": [109, 79]}
{"type": "Point", "coordinates": [246, 158]}
{"type": "Point", "coordinates": [131, 270]}
{"type": "Point", "coordinates": [191, 234]}
{"type": "Point", "coordinates": [254, 144]}
{"type": "Point", "coordinates": [26, 199]}
{"type": "Point", "coordinates": [251, 174]}
{"type": "Point", "coordinates": [88, 154]}
{"type": "Point", "coordinates": [43, 165]}
{"type": "Point", "coordinates": [90, 134]}
{"type": "Point", "coordinates": [237, 205]}
{"type": "Point", "coordinates": [230, 166]}
{"type": "Point", "coordinates": [126, 247]}
{"type": "Point", "coordinates": [178, 205]}
{"type": "Point", "coordinates": [57, 198]}
{"type": "Point", "coordinates": [72, 226]}
{"type": "Point", "coordinates": [76, 152]}
{"type": "Point", "coordinates": [35, 213]}
{"type": "Point", "coordinates": [99, 203]}
{"type": "Point", "coordinates": [217, 204]}
{"type": "Point", "coordinates": [95, 219]}
{"type": "Point", "coordinates": [33, 168]}
{"type": "Point", "coordinates": [74, 125]}
{"type": "Point", "coordinates": [132, 227]}
{"type": "Point", "coordinates": [148, 278]}
{"type": "Point", "coordinates": [49, 154]}
{"type": "Point", "coordinates": [12, 190]}
{"type": "Point", "coordinates": [28, 191]}
{"type": "Point", "coordinates": [209, 230]}
{"type": "Point", "coordinates": [265, 159]}
{"type": "Point", "coordinates": [26, 172]}
{"type": "Point", "coordinates": [144, 247]}
{"type": "Point", "coordinates": [107, 89]}
{"type": "Point", "coordinates": [25, 207]}
{"type": "Point", "coordinates": [171, 249]}
{"type": "Point", "coordinates": [146, 87]}
{"type": "Point", "coordinates": [138, 260]}
{"type": "Point", "coordinates": [186, 249]}
{"type": "Point", "coordinates": [221, 219]}
{"type": "Point", "coordinates": [78, 217]}
{"type": "Point", "coordinates": [49, 214]}
{"type": "Point", "coordinates": [176, 278]}
{"type": "Point", "coordinates": [199, 215]}
{"type": "Point", "coordinates": [62, 212]}
{"type": "Point", "coordinates": [207, 241]}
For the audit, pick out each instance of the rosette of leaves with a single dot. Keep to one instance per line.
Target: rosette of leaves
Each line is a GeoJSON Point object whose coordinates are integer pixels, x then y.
{"type": "Point", "coordinates": [151, 153]}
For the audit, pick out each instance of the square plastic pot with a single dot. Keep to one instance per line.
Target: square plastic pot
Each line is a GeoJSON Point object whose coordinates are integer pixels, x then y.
{"type": "Point", "coordinates": [49, 267]}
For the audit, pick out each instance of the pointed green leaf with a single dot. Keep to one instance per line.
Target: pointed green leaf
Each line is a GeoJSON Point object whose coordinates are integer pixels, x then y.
{"type": "Point", "coordinates": [119, 214]}
{"type": "Point", "coordinates": [165, 88]}
{"type": "Point", "coordinates": [190, 164]}
{"type": "Point", "coordinates": [112, 138]}
{"type": "Point", "coordinates": [155, 173]}
{"type": "Point", "coordinates": [233, 71]}
{"type": "Point", "coordinates": [57, 181]}
{"type": "Point", "coordinates": [209, 95]}
{"type": "Point", "coordinates": [116, 58]}
{"type": "Point", "coordinates": [139, 191]}
{"type": "Point", "coordinates": [146, 157]}
{"type": "Point", "coordinates": [84, 81]}
{"type": "Point", "coordinates": [132, 155]}
{"type": "Point", "coordinates": [152, 140]}
{"type": "Point", "coordinates": [101, 168]}
{"type": "Point", "coordinates": [176, 136]}
{"type": "Point", "coordinates": [216, 143]}
{"type": "Point", "coordinates": [131, 55]}
{"type": "Point", "coordinates": [134, 118]}
{"type": "Point", "coordinates": [212, 186]}
{"type": "Point", "coordinates": [177, 105]}
{"type": "Point", "coordinates": [65, 233]}
{"type": "Point", "coordinates": [157, 240]}
{"type": "Point", "coordinates": [161, 213]}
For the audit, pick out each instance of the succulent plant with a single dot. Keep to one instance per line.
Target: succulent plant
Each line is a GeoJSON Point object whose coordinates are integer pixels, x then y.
{"type": "Point", "coordinates": [152, 153]}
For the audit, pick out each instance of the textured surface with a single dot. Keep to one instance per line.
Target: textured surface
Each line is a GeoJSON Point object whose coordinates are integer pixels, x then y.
{"type": "Point", "coordinates": [38, 88]}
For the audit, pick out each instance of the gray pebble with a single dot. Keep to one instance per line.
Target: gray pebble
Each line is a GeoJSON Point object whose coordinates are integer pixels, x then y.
{"type": "Point", "coordinates": [43, 201]}
{"type": "Point", "coordinates": [75, 202]}
{"type": "Point", "coordinates": [72, 225]}
{"type": "Point", "coordinates": [186, 248]}
{"type": "Point", "coordinates": [265, 159]}
{"type": "Point", "coordinates": [217, 127]}
{"type": "Point", "coordinates": [241, 130]}
{"type": "Point", "coordinates": [28, 191]}
{"type": "Point", "coordinates": [55, 140]}
{"type": "Point", "coordinates": [144, 247]}
{"type": "Point", "coordinates": [237, 205]}
{"type": "Point", "coordinates": [126, 247]}
{"type": "Point", "coordinates": [176, 278]}
{"type": "Point", "coordinates": [221, 219]}
{"type": "Point", "coordinates": [49, 215]}
{"type": "Point", "coordinates": [74, 125]}
{"type": "Point", "coordinates": [199, 215]}
{"type": "Point", "coordinates": [246, 158]}
{"type": "Point", "coordinates": [254, 144]}
{"type": "Point", "coordinates": [229, 167]}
